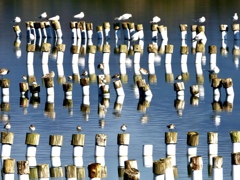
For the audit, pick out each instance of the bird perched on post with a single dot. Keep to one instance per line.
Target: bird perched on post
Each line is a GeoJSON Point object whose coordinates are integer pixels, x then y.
{"type": "Point", "coordinates": [7, 126]}
{"type": "Point", "coordinates": [143, 71]}
{"type": "Point", "coordinates": [116, 76]}
{"type": "Point", "coordinates": [200, 20]}
{"type": "Point", "coordinates": [100, 66]}
{"type": "Point", "coordinates": [85, 73]}
{"type": "Point", "coordinates": [4, 71]}
{"type": "Point", "coordinates": [79, 128]}
{"type": "Point", "coordinates": [235, 17]}
{"type": "Point", "coordinates": [123, 17]}
{"type": "Point", "coordinates": [171, 127]}
{"type": "Point", "coordinates": [123, 128]}
{"type": "Point", "coordinates": [79, 16]}
{"type": "Point", "coordinates": [54, 18]}
{"type": "Point", "coordinates": [42, 16]}
{"type": "Point", "coordinates": [17, 20]}
{"type": "Point", "coordinates": [49, 75]}
{"type": "Point", "coordinates": [155, 19]}
{"type": "Point", "coordinates": [32, 128]}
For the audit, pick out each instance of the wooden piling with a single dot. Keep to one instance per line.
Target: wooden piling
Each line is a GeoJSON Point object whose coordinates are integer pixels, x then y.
{"type": "Point", "coordinates": [43, 170]}
{"type": "Point", "coordinates": [131, 174]}
{"type": "Point", "coordinates": [71, 171]}
{"type": "Point", "coordinates": [56, 172]}
{"type": "Point", "coordinates": [212, 140]}
{"type": "Point", "coordinates": [100, 144]}
{"type": "Point", "coordinates": [196, 164]}
{"type": "Point", "coordinates": [56, 142]}
{"type": "Point", "coordinates": [94, 170]}
{"type": "Point", "coordinates": [217, 170]}
{"type": "Point", "coordinates": [123, 141]}
{"type": "Point", "coordinates": [192, 142]}
{"type": "Point", "coordinates": [159, 168]}
{"type": "Point", "coordinates": [23, 169]}
{"type": "Point", "coordinates": [171, 141]}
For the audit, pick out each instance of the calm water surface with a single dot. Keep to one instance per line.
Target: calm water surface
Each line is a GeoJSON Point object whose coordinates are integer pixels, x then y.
{"type": "Point", "coordinates": [161, 111]}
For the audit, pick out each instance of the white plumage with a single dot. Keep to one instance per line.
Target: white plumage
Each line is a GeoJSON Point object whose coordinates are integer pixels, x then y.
{"type": "Point", "coordinates": [54, 18]}
{"type": "Point", "coordinates": [79, 16]}
{"type": "Point", "coordinates": [200, 20]}
{"type": "Point", "coordinates": [155, 19]}
{"type": "Point", "coordinates": [235, 17]}
{"type": "Point", "coordinates": [124, 17]}
{"type": "Point", "coordinates": [43, 15]}
{"type": "Point", "coordinates": [17, 19]}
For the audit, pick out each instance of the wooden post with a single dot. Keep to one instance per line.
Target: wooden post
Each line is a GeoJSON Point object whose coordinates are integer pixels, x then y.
{"type": "Point", "coordinates": [23, 87]}
{"type": "Point", "coordinates": [117, 32]}
{"type": "Point", "coordinates": [159, 169]}
{"type": "Point", "coordinates": [196, 164]}
{"type": "Point", "coordinates": [56, 172]}
{"type": "Point", "coordinates": [57, 28]}
{"type": "Point", "coordinates": [224, 30]}
{"type": "Point", "coordinates": [91, 54]}
{"type": "Point", "coordinates": [123, 141]}
{"type": "Point", "coordinates": [171, 141]}
{"type": "Point", "coordinates": [163, 31]}
{"type": "Point", "coordinates": [43, 171]}
{"type": "Point", "coordinates": [179, 88]}
{"type": "Point", "coordinates": [152, 51]}
{"type": "Point", "coordinates": [235, 160]}
{"type": "Point", "coordinates": [235, 138]}
{"type": "Point", "coordinates": [217, 169]}
{"type": "Point", "coordinates": [94, 171]}
{"type": "Point", "coordinates": [45, 49]}
{"type": "Point", "coordinates": [216, 85]}
{"type": "Point", "coordinates": [7, 141]}
{"type": "Point", "coordinates": [168, 53]}
{"type": "Point", "coordinates": [17, 30]}
{"type": "Point", "coordinates": [228, 85]}
{"type": "Point", "coordinates": [23, 170]}
{"type": "Point", "coordinates": [235, 28]}
{"type": "Point", "coordinates": [154, 29]}
{"type": "Point", "coordinates": [71, 172]}
{"type": "Point", "coordinates": [32, 141]}
{"type": "Point", "coordinates": [192, 143]}
{"type": "Point", "coordinates": [118, 88]}
{"type": "Point", "coordinates": [78, 142]}
{"type": "Point", "coordinates": [168, 168]}
{"type": "Point", "coordinates": [144, 89]}
{"type": "Point", "coordinates": [126, 31]}
{"type": "Point", "coordinates": [73, 28]}
{"type": "Point", "coordinates": [100, 144]}
{"type": "Point", "coordinates": [131, 174]}
{"type": "Point", "coordinates": [89, 28]}
{"type": "Point", "coordinates": [81, 174]}
{"type": "Point", "coordinates": [8, 169]}
{"type": "Point", "coordinates": [212, 140]}
{"type": "Point", "coordinates": [106, 27]}
{"type": "Point", "coordinates": [56, 142]}
{"type": "Point", "coordinates": [183, 30]}
{"type": "Point", "coordinates": [137, 53]}
{"type": "Point", "coordinates": [84, 82]}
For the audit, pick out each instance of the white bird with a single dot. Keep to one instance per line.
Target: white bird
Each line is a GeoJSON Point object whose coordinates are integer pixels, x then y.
{"type": "Point", "coordinates": [124, 17]}
{"type": "Point", "coordinates": [200, 20]}
{"type": "Point", "coordinates": [123, 127]}
{"type": "Point", "coordinates": [7, 126]}
{"type": "Point", "coordinates": [43, 15]}
{"type": "Point", "coordinates": [171, 127]}
{"type": "Point", "coordinates": [79, 128]}
{"type": "Point", "coordinates": [31, 36]}
{"type": "Point", "coordinates": [179, 77]}
{"type": "Point", "coordinates": [155, 19]}
{"type": "Point", "coordinates": [235, 17]}
{"type": "Point", "coordinates": [214, 70]}
{"type": "Point", "coordinates": [143, 71]}
{"type": "Point", "coordinates": [200, 36]}
{"type": "Point", "coordinates": [32, 128]}
{"type": "Point", "coordinates": [17, 19]}
{"type": "Point", "coordinates": [54, 18]}
{"type": "Point", "coordinates": [79, 16]}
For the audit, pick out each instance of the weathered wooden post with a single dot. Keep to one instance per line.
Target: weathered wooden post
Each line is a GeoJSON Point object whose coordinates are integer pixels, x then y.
{"type": "Point", "coordinates": [228, 85]}
{"type": "Point", "coordinates": [235, 138]}
{"type": "Point", "coordinates": [48, 29]}
{"type": "Point", "coordinates": [56, 142]}
{"type": "Point", "coordinates": [235, 161]}
{"type": "Point", "coordinates": [144, 89]}
{"type": "Point", "coordinates": [179, 88]}
{"type": "Point", "coordinates": [73, 28]}
{"type": "Point", "coordinates": [171, 141]}
{"type": "Point", "coordinates": [17, 30]}
{"type": "Point", "coordinates": [192, 143]}
{"type": "Point", "coordinates": [78, 142]}
{"type": "Point", "coordinates": [85, 83]}
{"type": "Point", "coordinates": [78, 27]}
{"type": "Point", "coordinates": [91, 54]}
{"type": "Point", "coordinates": [216, 85]}
{"type": "Point", "coordinates": [60, 52]}
{"type": "Point", "coordinates": [123, 53]}
{"type": "Point", "coordinates": [38, 29]}
{"type": "Point", "coordinates": [106, 55]}
{"type": "Point", "coordinates": [152, 50]}
{"type": "Point", "coordinates": [71, 172]}
{"type": "Point", "coordinates": [217, 170]}
{"type": "Point", "coordinates": [106, 28]}
{"type": "Point", "coordinates": [137, 53]}
{"type": "Point", "coordinates": [126, 31]}
{"type": "Point", "coordinates": [30, 57]}
{"type": "Point", "coordinates": [199, 53]}
{"type": "Point", "coordinates": [7, 141]}
{"type": "Point", "coordinates": [23, 170]}
{"type": "Point", "coordinates": [131, 170]}
{"type": "Point", "coordinates": [118, 104]}
{"type": "Point", "coordinates": [94, 171]}
{"type": "Point", "coordinates": [140, 32]}
{"type": "Point", "coordinates": [99, 30]}
{"type": "Point", "coordinates": [163, 31]}
{"type": "Point", "coordinates": [117, 32]}
{"type": "Point", "coordinates": [224, 30]}
{"type": "Point", "coordinates": [168, 168]}
{"type": "Point", "coordinates": [213, 57]}
{"type": "Point", "coordinates": [235, 28]}
{"type": "Point", "coordinates": [57, 29]}
{"type": "Point", "coordinates": [183, 30]}
{"type": "Point", "coordinates": [82, 25]}
{"type": "Point", "coordinates": [89, 27]}
{"type": "Point", "coordinates": [168, 54]}
{"type": "Point", "coordinates": [100, 144]}
{"type": "Point", "coordinates": [43, 171]}
{"type": "Point", "coordinates": [212, 140]}
{"type": "Point", "coordinates": [154, 29]}
{"type": "Point", "coordinates": [32, 141]}
{"type": "Point", "coordinates": [23, 88]}
{"type": "Point", "coordinates": [159, 168]}
{"type": "Point", "coordinates": [196, 164]}
{"type": "Point", "coordinates": [118, 88]}
{"type": "Point", "coordinates": [45, 49]}
{"type": "Point", "coordinates": [8, 169]}
{"type": "Point", "coordinates": [123, 141]}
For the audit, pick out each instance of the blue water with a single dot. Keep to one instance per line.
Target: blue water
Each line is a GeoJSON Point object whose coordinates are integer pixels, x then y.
{"type": "Point", "coordinates": [161, 110]}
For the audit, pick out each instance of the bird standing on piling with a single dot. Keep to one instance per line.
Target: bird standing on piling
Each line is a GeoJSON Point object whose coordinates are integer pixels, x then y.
{"type": "Point", "coordinates": [200, 20]}
{"type": "Point", "coordinates": [79, 16]}
{"type": "Point", "coordinates": [54, 18]}
{"type": "Point", "coordinates": [143, 71]}
{"type": "Point", "coordinates": [214, 70]}
{"type": "Point", "coordinates": [100, 66]}
{"type": "Point", "coordinates": [123, 128]}
{"type": "Point", "coordinates": [85, 73]}
{"type": "Point", "coordinates": [123, 17]}
{"type": "Point", "coordinates": [4, 71]}
{"type": "Point", "coordinates": [171, 127]}
{"type": "Point", "coordinates": [235, 17]}
{"type": "Point", "coordinates": [116, 76]}
{"type": "Point", "coordinates": [179, 77]}
{"type": "Point", "coordinates": [7, 126]}
{"type": "Point", "coordinates": [17, 20]}
{"type": "Point", "coordinates": [32, 128]}
{"type": "Point", "coordinates": [49, 75]}
{"type": "Point", "coordinates": [69, 78]}
{"type": "Point", "coordinates": [155, 19]}
{"type": "Point", "coordinates": [42, 16]}
{"type": "Point", "coordinates": [79, 128]}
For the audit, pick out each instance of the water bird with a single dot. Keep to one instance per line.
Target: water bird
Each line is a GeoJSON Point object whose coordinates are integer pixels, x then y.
{"type": "Point", "coordinates": [32, 128]}
{"type": "Point", "coordinates": [49, 75]}
{"type": "Point", "coordinates": [199, 37]}
{"type": "Point", "coordinates": [200, 20]}
{"type": "Point", "coordinates": [116, 76]}
{"type": "Point", "coordinates": [17, 20]}
{"type": "Point", "coordinates": [235, 17]}
{"type": "Point", "coordinates": [100, 66]}
{"type": "Point", "coordinates": [79, 128]}
{"type": "Point", "coordinates": [54, 18]}
{"type": "Point", "coordinates": [143, 71]}
{"type": "Point", "coordinates": [123, 128]}
{"type": "Point", "coordinates": [79, 16]}
{"type": "Point", "coordinates": [171, 127]}
{"type": "Point", "coordinates": [85, 73]}
{"type": "Point", "coordinates": [7, 126]}
{"type": "Point", "coordinates": [42, 16]}
{"type": "Point", "coordinates": [179, 77]}
{"type": "Point", "coordinates": [155, 19]}
{"type": "Point", "coordinates": [214, 70]}
{"type": "Point", "coordinates": [4, 71]}
{"type": "Point", "coordinates": [123, 17]}
{"type": "Point", "coordinates": [69, 78]}
{"type": "Point", "coordinates": [24, 77]}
